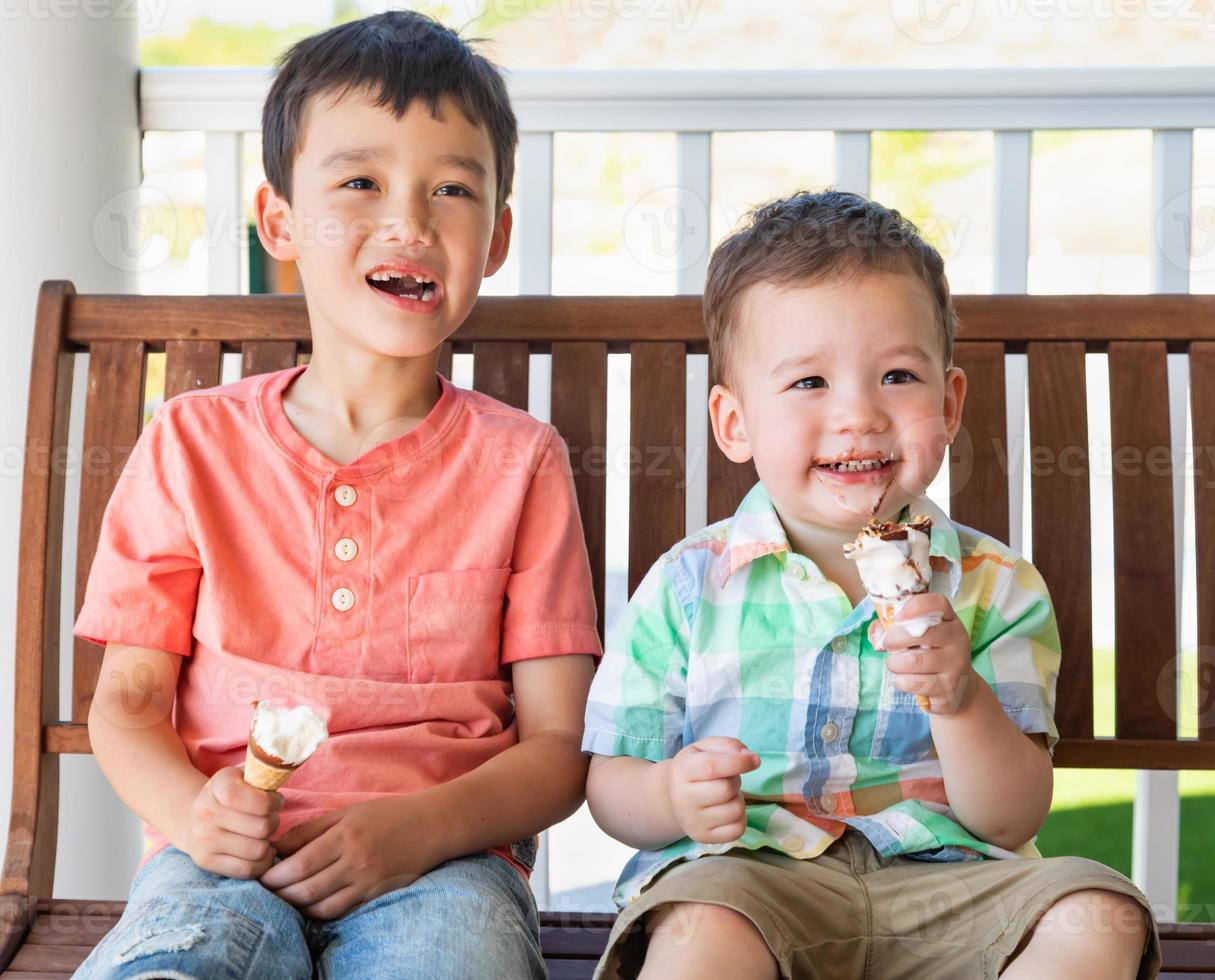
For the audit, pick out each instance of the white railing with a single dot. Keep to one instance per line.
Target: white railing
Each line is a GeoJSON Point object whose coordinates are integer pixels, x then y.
{"type": "Point", "coordinates": [1012, 103]}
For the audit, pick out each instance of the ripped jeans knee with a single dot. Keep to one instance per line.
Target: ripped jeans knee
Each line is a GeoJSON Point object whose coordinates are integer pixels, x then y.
{"type": "Point", "coordinates": [168, 938]}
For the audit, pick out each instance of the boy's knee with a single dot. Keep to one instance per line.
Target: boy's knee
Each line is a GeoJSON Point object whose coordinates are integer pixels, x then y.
{"type": "Point", "coordinates": [1097, 918]}
{"type": "Point", "coordinates": [682, 923]}
{"type": "Point", "coordinates": [168, 937]}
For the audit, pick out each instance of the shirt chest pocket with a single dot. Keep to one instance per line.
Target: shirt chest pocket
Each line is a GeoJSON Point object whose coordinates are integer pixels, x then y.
{"type": "Point", "coordinates": [454, 624]}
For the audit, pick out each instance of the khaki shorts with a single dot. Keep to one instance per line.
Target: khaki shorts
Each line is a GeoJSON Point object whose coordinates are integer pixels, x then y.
{"type": "Point", "coordinates": [850, 913]}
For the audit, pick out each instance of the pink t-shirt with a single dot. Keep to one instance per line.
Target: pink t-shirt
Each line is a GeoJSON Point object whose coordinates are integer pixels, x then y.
{"type": "Point", "coordinates": [391, 594]}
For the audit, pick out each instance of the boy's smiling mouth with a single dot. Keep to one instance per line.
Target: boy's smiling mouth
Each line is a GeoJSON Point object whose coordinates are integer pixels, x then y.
{"type": "Point", "coordinates": [856, 467]}
{"type": "Point", "coordinates": [406, 284]}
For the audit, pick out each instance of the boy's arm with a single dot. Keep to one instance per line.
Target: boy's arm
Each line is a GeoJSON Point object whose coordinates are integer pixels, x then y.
{"type": "Point", "coordinates": [630, 801]}
{"type": "Point", "coordinates": [221, 822]}
{"type": "Point", "coordinates": [993, 743]}
{"type": "Point", "coordinates": [697, 794]}
{"type": "Point", "coordinates": [132, 735]}
{"type": "Point", "coordinates": [998, 779]}
{"type": "Point", "coordinates": [533, 784]}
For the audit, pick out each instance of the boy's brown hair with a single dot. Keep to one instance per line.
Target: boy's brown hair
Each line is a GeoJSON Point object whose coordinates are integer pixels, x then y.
{"type": "Point", "coordinates": [398, 56]}
{"type": "Point", "coordinates": [809, 238]}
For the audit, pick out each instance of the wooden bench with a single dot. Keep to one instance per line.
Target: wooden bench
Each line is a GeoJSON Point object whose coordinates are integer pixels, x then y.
{"type": "Point", "coordinates": [47, 936]}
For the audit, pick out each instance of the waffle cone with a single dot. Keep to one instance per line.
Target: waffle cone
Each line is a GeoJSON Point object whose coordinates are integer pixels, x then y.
{"type": "Point", "coordinates": [262, 774]}
{"type": "Point", "coordinates": [887, 609]}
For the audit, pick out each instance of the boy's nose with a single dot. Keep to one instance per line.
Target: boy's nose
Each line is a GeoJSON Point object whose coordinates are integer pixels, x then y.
{"type": "Point", "coordinates": [411, 225]}
{"type": "Point", "coordinates": [859, 414]}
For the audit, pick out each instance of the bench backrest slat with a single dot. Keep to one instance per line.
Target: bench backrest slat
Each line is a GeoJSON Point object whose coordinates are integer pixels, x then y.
{"type": "Point", "coordinates": [1202, 417]}
{"type": "Point", "coordinates": [579, 411]}
{"type": "Point", "coordinates": [1062, 543]}
{"type": "Point", "coordinates": [263, 356]}
{"type": "Point", "coordinates": [978, 471]}
{"type": "Point", "coordinates": [191, 364]}
{"type": "Point", "coordinates": [1145, 638]}
{"type": "Point", "coordinates": [657, 462]}
{"type": "Point", "coordinates": [500, 370]}
{"type": "Point", "coordinates": [113, 418]}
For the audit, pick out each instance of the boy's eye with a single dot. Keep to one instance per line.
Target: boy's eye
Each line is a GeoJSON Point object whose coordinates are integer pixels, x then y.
{"type": "Point", "coordinates": [809, 384]}
{"type": "Point", "coordinates": [356, 180]}
{"type": "Point", "coordinates": [903, 376]}
{"type": "Point", "coordinates": [454, 190]}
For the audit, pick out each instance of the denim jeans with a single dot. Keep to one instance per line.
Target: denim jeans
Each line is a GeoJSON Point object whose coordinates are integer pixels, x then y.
{"type": "Point", "coordinates": [471, 917]}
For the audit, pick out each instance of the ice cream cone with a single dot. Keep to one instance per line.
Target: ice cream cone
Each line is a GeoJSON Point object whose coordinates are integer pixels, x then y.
{"type": "Point", "coordinates": [262, 772]}
{"type": "Point", "coordinates": [887, 609]}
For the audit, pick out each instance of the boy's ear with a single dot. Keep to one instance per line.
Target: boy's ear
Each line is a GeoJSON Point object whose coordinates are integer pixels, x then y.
{"type": "Point", "coordinates": [729, 426]}
{"type": "Point", "coordinates": [499, 242]}
{"type": "Point", "coordinates": [273, 217]}
{"type": "Point", "coordinates": [955, 397]}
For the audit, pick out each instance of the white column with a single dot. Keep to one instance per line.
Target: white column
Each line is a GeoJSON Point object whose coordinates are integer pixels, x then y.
{"type": "Point", "coordinates": [1011, 255]}
{"type": "Point", "coordinates": [69, 178]}
{"type": "Point", "coordinates": [1157, 822]}
{"type": "Point", "coordinates": [852, 151]}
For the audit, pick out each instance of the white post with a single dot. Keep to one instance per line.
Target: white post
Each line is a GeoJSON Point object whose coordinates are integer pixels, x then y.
{"type": "Point", "coordinates": [852, 162]}
{"type": "Point", "coordinates": [535, 199]}
{"type": "Point", "coordinates": [224, 214]}
{"type": "Point", "coordinates": [1010, 252]}
{"type": "Point", "coordinates": [69, 186]}
{"type": "Point", "coordinates": [1157, 822]}
{"type": "Point", "coordinates": [534, 196]}
{"type": "Point", "coordinates": [695, 183]}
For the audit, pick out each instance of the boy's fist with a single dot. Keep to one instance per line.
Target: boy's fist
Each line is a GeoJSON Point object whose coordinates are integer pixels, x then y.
{"type": "Point", "coordinates": [231, 824]}
{"type": "Point", "coordinates": [704, 785]}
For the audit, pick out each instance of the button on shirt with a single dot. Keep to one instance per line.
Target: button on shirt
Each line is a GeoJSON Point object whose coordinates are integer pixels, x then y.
{"type": "Point", "coordinates": [723, 637]}
{"type": "Point", "coordinates": [392, 593]}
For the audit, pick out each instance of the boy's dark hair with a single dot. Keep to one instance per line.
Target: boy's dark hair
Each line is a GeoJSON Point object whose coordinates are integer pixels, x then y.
{"type": "Point", "coordinates": [398, 56]}
{"type": "Point", "coordinates": [809, 238]}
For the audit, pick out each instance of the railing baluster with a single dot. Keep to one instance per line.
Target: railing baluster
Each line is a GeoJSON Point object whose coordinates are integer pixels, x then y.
{"type": "Point", "coordinates": [695, 182]}
{"type": "Point", "coordinates": [534, 195]}
{"type": "Point", "coordinates": [1010, 250]}
{"type": "Point", "coordinates": [852, 161]}
{"type": "Point", "coordinates": [1157, 819]}
{"type": "Point", "coordinates": [224, 212]}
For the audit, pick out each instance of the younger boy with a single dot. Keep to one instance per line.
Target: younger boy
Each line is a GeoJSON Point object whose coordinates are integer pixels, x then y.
{"type": "Point", "coordinates": [360, 535]}
{"type": "Point", "coordinates": [797, 812]}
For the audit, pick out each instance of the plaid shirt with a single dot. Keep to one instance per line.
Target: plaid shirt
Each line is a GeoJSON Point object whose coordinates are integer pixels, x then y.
{"type": "Point", "coordinates": [732, 633]}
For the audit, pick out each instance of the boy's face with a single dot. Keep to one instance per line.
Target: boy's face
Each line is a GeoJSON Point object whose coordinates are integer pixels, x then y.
{"type": "Point", "coordinates": [373, 195]}
{"type": "Point", "coordinates": [834, 371]}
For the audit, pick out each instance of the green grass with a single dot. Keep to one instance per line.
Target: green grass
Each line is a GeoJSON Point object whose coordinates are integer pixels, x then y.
{"type": "Point", "coordinates": [1092, 810]}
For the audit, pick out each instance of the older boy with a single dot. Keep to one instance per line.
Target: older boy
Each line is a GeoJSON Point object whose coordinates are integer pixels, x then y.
{"type": "Point", "coordinates": [360, 535]}
{"type": "Point", "coordinates": [796, 811]}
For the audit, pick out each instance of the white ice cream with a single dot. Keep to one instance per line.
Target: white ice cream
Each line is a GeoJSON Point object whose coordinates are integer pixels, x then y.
{"type": "Point", "coordinates": [291, 734]}
{"type": "Point", "coordinates": [890, 569]}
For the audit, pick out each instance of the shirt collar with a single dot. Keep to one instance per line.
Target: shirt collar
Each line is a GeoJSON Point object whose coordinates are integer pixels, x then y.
{"type": "Point", "coordinates": [756, 530]}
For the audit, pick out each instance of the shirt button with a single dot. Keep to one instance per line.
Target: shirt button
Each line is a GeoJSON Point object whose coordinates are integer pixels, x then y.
{"type": "Point", "coordinates": [830, 731]}
{"type": "Point", "coordinates": [792, 843]}
{"type": "Point", "coordinates": [839, 644]}
{"type": "Point", "coordinates": [345, 495]}
{"type": "Point", "coordinates": [827, 802]}
{"type": "Point", "coordinates": [346, 549]}
{"type": "Point", "coordinates": [797, 570]}
{"type": "Point", "coordinates": [343, 599]}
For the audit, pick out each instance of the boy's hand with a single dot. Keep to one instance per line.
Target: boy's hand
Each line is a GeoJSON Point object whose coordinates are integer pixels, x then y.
{"type": "Point", "coordinates": [349, 856]}
{"type": "Point", "coordinates": [937, 665]}
{"type": "Point", "coordinates": [704, 785]}
{"type": "Point", "coordinates": [231, 824]}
